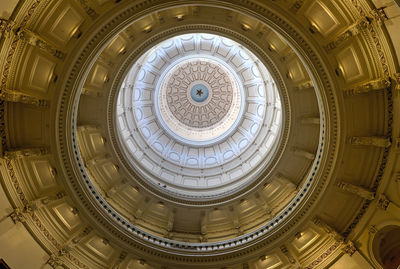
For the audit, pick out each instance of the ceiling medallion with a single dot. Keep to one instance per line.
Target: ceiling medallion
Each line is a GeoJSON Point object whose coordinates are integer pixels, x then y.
{"type": "Point", "coordinates": [199, 99]}
{"type": "Point", "coordinates": [199, 93]}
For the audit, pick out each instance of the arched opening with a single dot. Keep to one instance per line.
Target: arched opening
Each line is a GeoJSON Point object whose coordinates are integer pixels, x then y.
{"type": "Point", "coordinates": [386, 247]}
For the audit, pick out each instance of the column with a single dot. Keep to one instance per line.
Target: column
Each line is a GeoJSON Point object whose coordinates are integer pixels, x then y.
{"type": "Point", "coordinates": [170, 223]}
{"type": "Point", "coordinates": [260, 201]}
{"type": "Point", "coordinates": [234, 214]}
{"type": "Point", "coordinates": [203, 227]}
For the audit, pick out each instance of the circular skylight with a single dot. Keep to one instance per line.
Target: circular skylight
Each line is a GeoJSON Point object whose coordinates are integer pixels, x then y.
{"type": "Point", "coordinates": [199, 116]}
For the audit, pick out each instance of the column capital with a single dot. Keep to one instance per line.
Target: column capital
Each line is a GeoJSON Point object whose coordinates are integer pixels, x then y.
{"type": "Point", "coordinates": [17, 215]}
{"type": "Point", "coordinates": [349, 248]}
{"type": "Point", "coordinates": [383, 202]}
{"type": "Point", "coordinates": [396, 80]}
{"type": "Point", "coordinates": [6, 27]}
{"type": "Point", "coordinates": [54, 261]}
{"type": "Point", "coordinates": [379, 15]}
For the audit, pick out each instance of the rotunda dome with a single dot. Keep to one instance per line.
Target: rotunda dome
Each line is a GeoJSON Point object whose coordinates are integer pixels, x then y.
{"type": "Point", "coordinates": [199, 134]}
{"type": "Point", "coordinates": [199, 126]}
{"type": "Point", "coordinates": [203, 112]}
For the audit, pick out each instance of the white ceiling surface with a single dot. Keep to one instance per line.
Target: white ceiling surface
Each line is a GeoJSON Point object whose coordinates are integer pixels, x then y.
{"type": "Point", "coordinates": [186, 165]}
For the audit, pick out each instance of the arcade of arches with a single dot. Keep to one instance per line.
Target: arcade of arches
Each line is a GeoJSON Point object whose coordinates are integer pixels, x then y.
{"type": "Point", "coordinates": [200, 134]}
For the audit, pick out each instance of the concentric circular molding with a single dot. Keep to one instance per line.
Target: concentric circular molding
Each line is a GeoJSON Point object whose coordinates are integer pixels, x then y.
{"type": "Point", "coordinates": [243, 141]}
{"type": "Point", "coordinates": [127, 232]}
{"type": "Point", "coordinates": [210, 96]}
{"type": "Point", "coordinates": [203, 128]}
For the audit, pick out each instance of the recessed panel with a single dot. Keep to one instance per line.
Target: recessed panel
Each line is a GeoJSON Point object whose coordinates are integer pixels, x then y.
{"type": "Point", "coordinates": [41, 73]}
{"type": "Point", "coordinates": [66, 24]}
{"type": "Point", "coordinates": [350, 64]}
{"type": "Point", "coordinates": [67, 215]}
{"type": "Point", "coordinates": [322, 18]}
{"type": "Point", "coordinates": [44, 173]}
